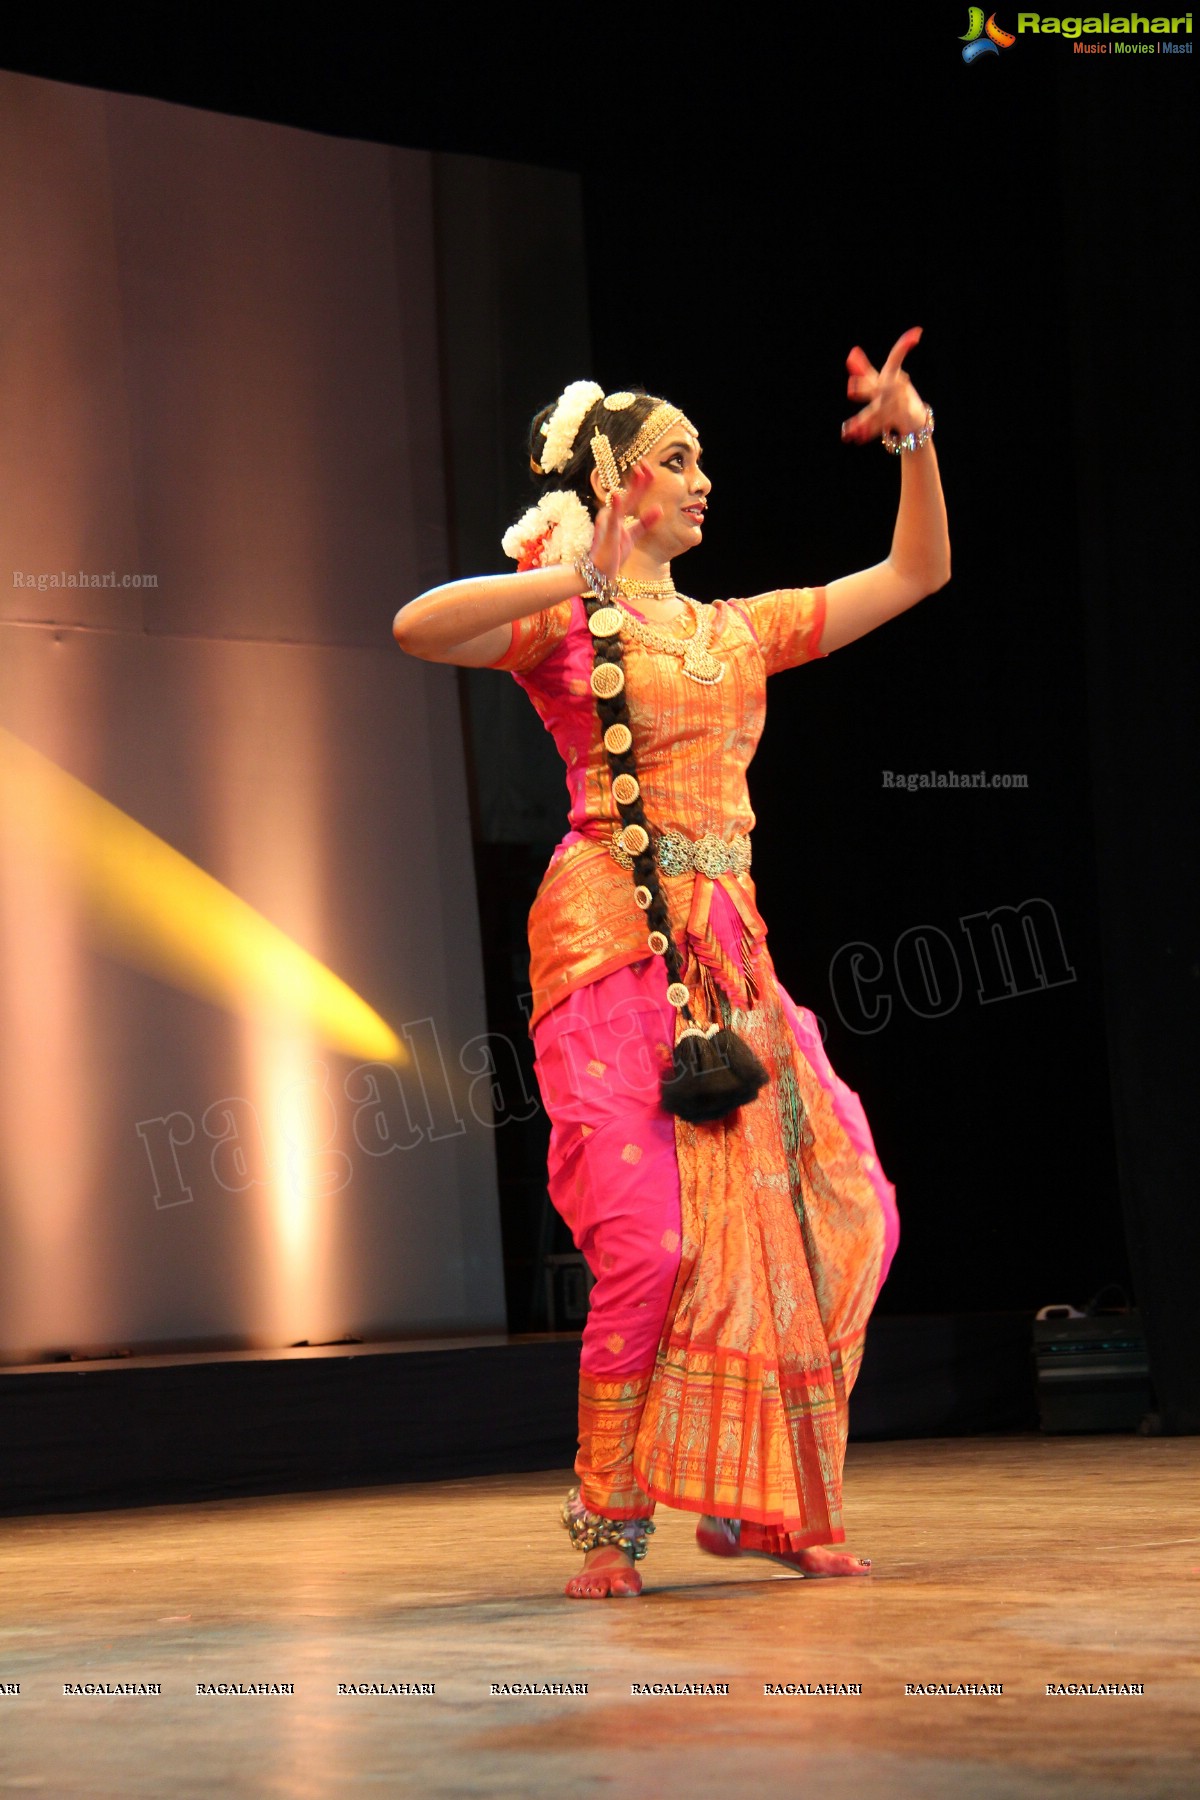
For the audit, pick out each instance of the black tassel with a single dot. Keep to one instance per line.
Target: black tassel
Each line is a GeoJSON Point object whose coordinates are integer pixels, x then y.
{"type": "Point", "coordinates": [711, 1076]}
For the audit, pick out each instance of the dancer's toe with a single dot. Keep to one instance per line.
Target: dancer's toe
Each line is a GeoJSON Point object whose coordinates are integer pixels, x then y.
{"type": "Point", "coordinates": [820, 1559]}
{"type": "Point", "coordinates": [605, 1571]}
{"type": "Point", "coordinates": [587, 1587]}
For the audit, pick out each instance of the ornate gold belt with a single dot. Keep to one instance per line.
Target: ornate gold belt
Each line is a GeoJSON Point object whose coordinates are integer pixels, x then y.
{"type": "Point", "coordinates": [677, 854]}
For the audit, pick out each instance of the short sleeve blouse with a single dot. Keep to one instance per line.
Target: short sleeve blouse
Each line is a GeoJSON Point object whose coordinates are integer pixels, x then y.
{"type": "Point", "coordinates": [693, 743]}
{"type": "Point", "coordinates": [786, 624]}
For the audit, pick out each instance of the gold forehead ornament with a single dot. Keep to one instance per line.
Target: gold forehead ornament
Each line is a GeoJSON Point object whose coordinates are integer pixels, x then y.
{"type": "Point", "coordinates": [657, 423]}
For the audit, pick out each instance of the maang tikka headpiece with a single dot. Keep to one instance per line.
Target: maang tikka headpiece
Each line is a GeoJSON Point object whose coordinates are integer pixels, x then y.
{"type": "Point", "coordinates": [657, 423]}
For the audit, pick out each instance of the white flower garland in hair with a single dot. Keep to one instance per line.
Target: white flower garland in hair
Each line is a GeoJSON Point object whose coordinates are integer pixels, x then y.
{"type": "Point", "coordinates": [562, 427]}
{"type": "Point", "coordinates": [557, 530]}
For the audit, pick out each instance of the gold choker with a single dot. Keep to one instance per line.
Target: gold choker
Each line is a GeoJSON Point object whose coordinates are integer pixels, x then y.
{"type": "Point", "coordinates": [645, 590]}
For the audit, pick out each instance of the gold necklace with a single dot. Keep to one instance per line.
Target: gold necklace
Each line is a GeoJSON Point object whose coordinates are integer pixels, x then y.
{"type": "Point", "coordinates": [646, 590]}
{"type": "Point", "coordinates": [698, 661]}
{"type": "Point", "coordinates": [629, 589]}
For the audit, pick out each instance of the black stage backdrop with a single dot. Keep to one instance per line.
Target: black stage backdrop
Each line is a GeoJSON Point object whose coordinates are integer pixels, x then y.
{"type": "Point", "coordinates": [1008, 976]}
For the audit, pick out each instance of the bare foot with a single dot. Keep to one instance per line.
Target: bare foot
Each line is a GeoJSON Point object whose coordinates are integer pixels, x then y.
{"type": "Point", "coordinates": [606, 1570]}
{"type": "Point", "coordinates": [822, 1559]}
{"type": "Point", "coordinates": [719, 1537]}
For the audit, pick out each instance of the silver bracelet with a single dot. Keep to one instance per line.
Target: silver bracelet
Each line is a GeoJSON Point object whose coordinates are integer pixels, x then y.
{"type": "Point", "coordinates": [895, 441]}
{"type": "Point", "coordinates": [596, 583]}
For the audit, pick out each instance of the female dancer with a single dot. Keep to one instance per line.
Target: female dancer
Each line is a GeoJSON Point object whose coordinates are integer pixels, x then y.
{"type": "Point", "coordinates": [717, 1176]}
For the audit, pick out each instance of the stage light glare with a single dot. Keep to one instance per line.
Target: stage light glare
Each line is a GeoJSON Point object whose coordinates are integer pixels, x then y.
{"type": "Point", "coordinates": [151, 907]}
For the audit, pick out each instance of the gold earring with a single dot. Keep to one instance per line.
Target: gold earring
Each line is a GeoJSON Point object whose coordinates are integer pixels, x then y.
{"type": "Point", "coordinates": [606, 465]}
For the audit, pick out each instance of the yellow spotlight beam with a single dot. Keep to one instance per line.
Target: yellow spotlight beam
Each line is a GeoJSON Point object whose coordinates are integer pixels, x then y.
{"type": "Point", "coordinates": [151, 907]}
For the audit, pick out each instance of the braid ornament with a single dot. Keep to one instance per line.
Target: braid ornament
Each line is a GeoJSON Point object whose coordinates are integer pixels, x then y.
{"type": "Point", "coordinates": [713, 1071]}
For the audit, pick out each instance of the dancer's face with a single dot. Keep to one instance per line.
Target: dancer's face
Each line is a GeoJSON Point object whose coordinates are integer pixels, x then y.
{"type": "Point", "coordinates": [680, 486]}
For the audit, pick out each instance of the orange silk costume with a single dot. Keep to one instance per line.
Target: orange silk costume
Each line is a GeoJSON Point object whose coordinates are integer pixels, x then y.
{"type": "Point", "coordinates": [725, 1391]}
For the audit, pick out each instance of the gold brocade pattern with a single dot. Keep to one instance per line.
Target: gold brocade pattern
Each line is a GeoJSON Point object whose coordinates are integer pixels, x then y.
{"type": "Point", "coordinates": [609, 1411]}
{"type": "Point", "coordinates": [746, 1413]}
{"type": "Point", "coordinates": [692, 743]}
{"type": "Point", "coordinates": [585, 923]}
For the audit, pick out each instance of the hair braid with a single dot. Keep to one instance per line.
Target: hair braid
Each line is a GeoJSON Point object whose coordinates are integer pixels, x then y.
{"type": "Point", "coordinates": [645, 867]}
{"type": "Point", "coordinates": [715, 1071]}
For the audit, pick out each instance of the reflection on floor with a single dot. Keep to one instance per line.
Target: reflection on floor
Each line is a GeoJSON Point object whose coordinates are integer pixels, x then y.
{"type": "Point", "coordinates": [1017, 1563]}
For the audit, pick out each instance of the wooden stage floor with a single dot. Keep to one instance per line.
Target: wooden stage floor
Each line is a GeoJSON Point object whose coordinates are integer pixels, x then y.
{"type": "Point", "coordinates": [1015, 1561]}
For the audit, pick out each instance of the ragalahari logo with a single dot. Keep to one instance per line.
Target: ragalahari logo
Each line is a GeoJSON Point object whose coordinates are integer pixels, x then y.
{"type": "Point", "coordinates": [982, 39]}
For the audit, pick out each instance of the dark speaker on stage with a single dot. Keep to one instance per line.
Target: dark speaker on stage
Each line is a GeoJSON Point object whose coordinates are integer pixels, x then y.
{"type": "Point", "coordinates": [1092, 1370]}
{"type": "Point", "coordinates": [568, 1282]}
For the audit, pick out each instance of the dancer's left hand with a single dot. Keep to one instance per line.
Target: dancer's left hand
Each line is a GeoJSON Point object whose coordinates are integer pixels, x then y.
{"type": "Point", "coordinates": [892, 402]}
